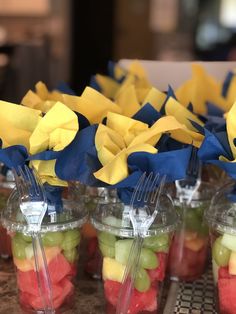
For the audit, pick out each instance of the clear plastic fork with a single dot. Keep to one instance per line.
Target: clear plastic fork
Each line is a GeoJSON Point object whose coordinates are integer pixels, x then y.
{"type": "Point", "coordinates": [146, 195]}
{"type": "Point", "coordinates": [33, 205]}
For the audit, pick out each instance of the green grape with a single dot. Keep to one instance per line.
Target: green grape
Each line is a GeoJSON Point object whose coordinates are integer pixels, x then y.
{"type": "Point", "coordinates": [142, 281]}
{"type": "Point", "coordinates": [159, 243]}
{"type": "Point", "coordinates": [71, 239]}
{"type": "Point", "coordinates": [107, 238]}
{"type": "Point", "coordinates": [24, 237]}
{"type": "Point", "coordinates": [148, 259]}
{"type": "Point", "coordinates": [200, 211]}
{"type": "Point", "coordinates": [107, 250]}
{"type": "Point", "coordinates": [18, 247]}
{"type": "Point", "coordinates": [220, 253]}
{"type": "Point", "coordinates": [52, 238]}
{"type": "Point", "coordinates": [71, 255]}
{"type": "Point", "coordinates": [122, 249]}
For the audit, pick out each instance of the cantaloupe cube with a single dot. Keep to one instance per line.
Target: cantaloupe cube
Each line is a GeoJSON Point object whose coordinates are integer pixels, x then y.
{"type": "Point", "coordinates": [23, 264]}
{"type": "Point", "coordinates": [195, 244]}
{"type": "Point", "coordinates": [232, 263]}
{"type": "Point", "coordinates": [112, 269]}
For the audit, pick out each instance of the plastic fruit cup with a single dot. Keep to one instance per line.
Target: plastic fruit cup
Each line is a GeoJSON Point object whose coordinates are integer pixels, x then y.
{"type": "Point", "coordinates": [221, 218]}
{"type": "Point", "coordinates": [94, 196]}
{"type": "Point", "coordinates": [5, 240]}
{"type": "Point", "coordinates": [61, 239]}
{"type": "Point", "coordinates": [115, 236]}
{"type": "Point", "coordinates": [190, 245]}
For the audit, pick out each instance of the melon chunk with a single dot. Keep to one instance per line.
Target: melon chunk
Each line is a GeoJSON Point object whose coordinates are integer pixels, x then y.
{"type": "Point", "coordinates": [229, 241]}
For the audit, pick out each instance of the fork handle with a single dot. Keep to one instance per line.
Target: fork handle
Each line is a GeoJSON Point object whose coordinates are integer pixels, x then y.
{"type": "Point", "coordinates": [43, 277]}
{"type": "Point", "coordinates": [129, 276]}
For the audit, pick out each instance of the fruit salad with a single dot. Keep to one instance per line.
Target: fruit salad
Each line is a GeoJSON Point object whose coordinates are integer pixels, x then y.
{"type": "Point", "coordinates": [189, 248]}
{"type": "Point", "coordinates": [224, 270]}
{"type": "Point", "coordinates": [61, 250]}
{"type": "Point", "coordinates": [153, 258]}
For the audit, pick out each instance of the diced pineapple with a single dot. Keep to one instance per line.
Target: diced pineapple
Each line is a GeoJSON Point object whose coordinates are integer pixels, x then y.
{"type": "Point", "coordinates": [112, 269]}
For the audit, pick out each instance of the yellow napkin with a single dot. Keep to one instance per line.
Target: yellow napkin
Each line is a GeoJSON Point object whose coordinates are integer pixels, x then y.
{"type": "Point", "coordinates": [199, 89]}
{"type": "Point", "coordinates": [155, 98]}
{"type": "Point", "coordinates": [92, 104]}
{"type": "Point", "coordinates": [45, 169]}
{"type": "Point", "coordinates": [184, 116]}
{"type": "Point", "coordinates": [109, 86]}
{"type": "Point", "coordinates": [231, 128]}
{"type": "Point", "coordinates": [128, 101]}
{"type": "Point", "coordinates": [128, 128]}
{"type": "Point", "coordinates": [17, 123]}
{"type": "Point", "coordinates": [42, 99]}
{"type": "Point", "coordinates": [55, 131]}
{"type": "Point", "coordinates": [123, 136]}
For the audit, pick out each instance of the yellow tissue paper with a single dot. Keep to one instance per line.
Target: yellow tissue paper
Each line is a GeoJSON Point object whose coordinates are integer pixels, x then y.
{"type": "Point", "coordinates": [55, 131]}
{"type": "Point", "coordinates": [201, 88]}
{"type": "Point", "coordinates": [17, 123]}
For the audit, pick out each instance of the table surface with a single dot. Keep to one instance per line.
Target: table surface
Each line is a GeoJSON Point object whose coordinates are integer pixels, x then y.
{"type": "Point", "coordinates": [188, 298]}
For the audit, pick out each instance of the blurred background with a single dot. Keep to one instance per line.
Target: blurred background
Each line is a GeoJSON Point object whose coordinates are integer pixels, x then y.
{"type": "Point", "coordinates": [69, 40]}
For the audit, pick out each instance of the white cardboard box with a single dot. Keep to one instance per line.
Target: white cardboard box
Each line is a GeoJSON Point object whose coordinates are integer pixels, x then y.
{"type": "Point", "coordinates": [174, 73]}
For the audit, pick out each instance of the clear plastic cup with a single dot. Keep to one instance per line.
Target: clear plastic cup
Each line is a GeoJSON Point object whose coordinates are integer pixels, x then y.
{"type": "Point", "coordinates": [189, 249]}
{"type": "Point", "coordinates": [115, 236]}
{"type": "Point", "coordinates": [61, 239]}
{"type": "Point", "coordinates": [5, 240]}
{"type": "Point", "coordinates": [221, 217]}
{"type": "Point", "coordinates": [94, 196]}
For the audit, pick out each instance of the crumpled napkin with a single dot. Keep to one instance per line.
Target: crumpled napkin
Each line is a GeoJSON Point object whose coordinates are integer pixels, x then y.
{"type": "Point", "coordinates": [91, 104]}
{"type": "Point", "coordinates": [200, 89]}
{"type": "Point", "coordinates": [17, 123]}
{"type": "Point", "coordinates": [42, 98]}
{"type": "Point", "coordinates": [219, 148]}
{"type": "Point", "coordinates": [184, 116]}
{"type": "Point", "coordinates": [55, 131]}
{"type": "Point", "coordinates": [123, 136]}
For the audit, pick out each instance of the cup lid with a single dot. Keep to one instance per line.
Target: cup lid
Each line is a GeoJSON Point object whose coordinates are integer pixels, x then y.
{"type": "Point", "coordinates": [74, 214]}
{"type": "Point", "coordinates": [221, 214]}
{"type": "Point", "coordinates": [114, 218]}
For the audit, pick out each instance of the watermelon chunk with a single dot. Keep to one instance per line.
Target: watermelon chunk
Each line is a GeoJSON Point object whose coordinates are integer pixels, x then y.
{"type": "Point", "coordinates": [227, 290]}
{"type": "Point", "coordinates": [59, 268]}
{"type": "Point", "coordinates": [159, 273]}
{"type": "Point", "coordinates": [27, 282]}
{"type": "Point", "coordinates": [139, 301]}
{"type": "Point", "coordinates": [60, 292]}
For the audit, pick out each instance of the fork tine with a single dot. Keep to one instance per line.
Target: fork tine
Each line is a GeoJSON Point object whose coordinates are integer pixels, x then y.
{"type": "Point", "coordinates": [144, 188]}
{"type": "Point", "coordinates": [156, 193]}
{"type": "Point", "coordinates": [152, 189]}
{"type": "Point", "coordinates": [137, 188]}
{"type": "Point", "coordinates": [33, 182]}
{"type": "Point", "coordinates": [19, 182]}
